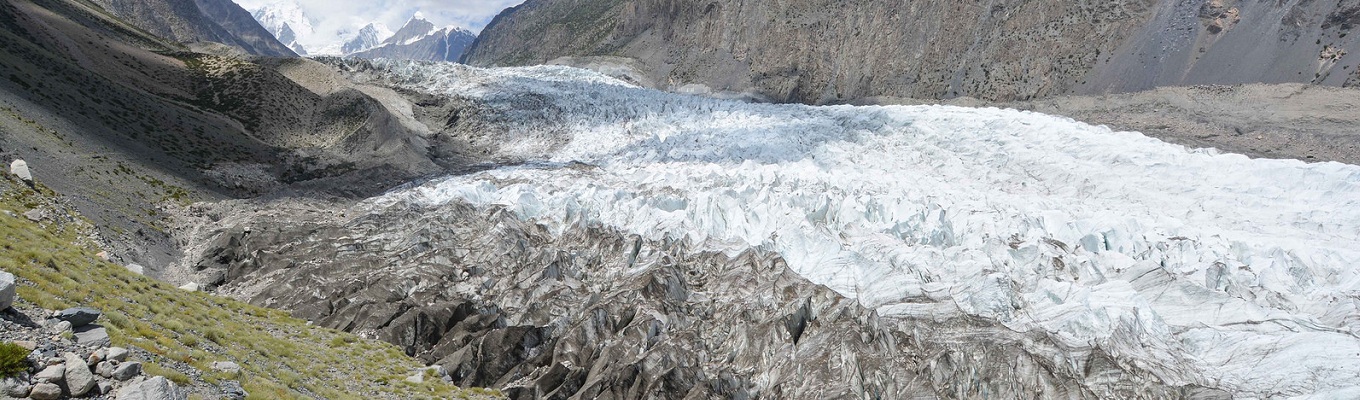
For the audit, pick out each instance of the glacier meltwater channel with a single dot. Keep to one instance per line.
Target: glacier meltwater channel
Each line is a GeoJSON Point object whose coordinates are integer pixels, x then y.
{"type": "Point", "coordinates": [1202, 268]}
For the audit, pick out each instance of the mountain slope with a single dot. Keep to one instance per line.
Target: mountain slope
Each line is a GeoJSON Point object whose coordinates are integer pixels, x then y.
{"type": "Point", "coordinates": [287, 22]}
{"type": "Point", "coordinates": [191, 21]}
{"type": "Point", "coordinates": [818, 51]}
{"type": "Point", "coordinates": [128, 124]}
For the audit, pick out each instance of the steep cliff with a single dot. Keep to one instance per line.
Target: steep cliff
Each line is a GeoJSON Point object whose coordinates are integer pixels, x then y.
{"type": "Point", "coordinates": [821, 51]}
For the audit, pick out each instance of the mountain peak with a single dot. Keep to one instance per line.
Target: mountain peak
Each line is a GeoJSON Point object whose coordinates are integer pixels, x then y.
{"type": "Point", "coordinates": [419, 16]}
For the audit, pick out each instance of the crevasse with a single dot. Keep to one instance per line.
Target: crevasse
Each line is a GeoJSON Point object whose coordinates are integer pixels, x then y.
{"type": "Point", "coordinates": [1201, 267]}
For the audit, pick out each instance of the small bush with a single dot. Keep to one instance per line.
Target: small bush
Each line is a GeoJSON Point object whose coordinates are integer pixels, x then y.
{"type": "Point", "coordinates": [13, 359]}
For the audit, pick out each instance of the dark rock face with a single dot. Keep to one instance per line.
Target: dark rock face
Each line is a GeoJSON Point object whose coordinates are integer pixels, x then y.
{"type": "Point", "coordinates": [220, 21]}
{"type": "Point", "coordinates": [79, 316]}
{"type": "Point", "coordinates": [588, 312]}
{"type": "Point", "coordinates": [839, 51]}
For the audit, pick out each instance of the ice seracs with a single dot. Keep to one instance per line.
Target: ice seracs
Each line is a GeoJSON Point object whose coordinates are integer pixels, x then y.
{"type": "Point", "coordinates": [1204, 268]}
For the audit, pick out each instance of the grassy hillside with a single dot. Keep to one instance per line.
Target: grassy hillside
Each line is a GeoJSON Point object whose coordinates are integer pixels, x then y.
{"type": "Point", "coordinates": [282, 357]}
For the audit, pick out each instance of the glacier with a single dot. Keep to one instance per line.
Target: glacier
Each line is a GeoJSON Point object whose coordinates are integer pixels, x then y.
{"type": "Point", "coordinates": [1199, 267]}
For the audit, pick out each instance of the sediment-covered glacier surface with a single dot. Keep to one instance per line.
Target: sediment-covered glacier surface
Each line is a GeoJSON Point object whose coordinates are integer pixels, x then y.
{"type": "Point", "coordinates": [1200, 268]}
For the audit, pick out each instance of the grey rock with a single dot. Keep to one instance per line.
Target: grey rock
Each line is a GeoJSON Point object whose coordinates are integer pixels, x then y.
{"type": "Point", "coordinates": [189, 287]}
{"type": "Point", "coordinates": [127, 370]}
{"type": "Point", "coordinates": [104, 387]}
{"type": "Point", "coordinates": [53, 373]}
{"type": "Point", "coordinates": [226, 366]}
{"type": "Point", "coordinates": [79, 316]}
{"type": "Point", "coordinates": [136, 269]}
{"type": "Point", "coordinates": [7, 290]}
{"type": "Point", "coordinates": [156, 388]}
{"type": "Point", "coordinates": [15, 386]}
{"type": "Point", "coordinates": [105, 368]}
{"type": "Point", "coordinates": [45, 391]}
{"type": "Point", "coordinates": [97, 356]}
{"type": "Point", "coordinates": [79, 379]}
{"type": "Point", "coordinates": [118, 354]}
{"type": "Point", "coordinates": [62, 326]}
{"type": "Point", "coordinates": [20, 169]}
{"type": "Point", "coordinates": [232, 390]}
{"type": "Point", "coordinates": [35, 215]}
{"type": "Point", "coordinates": [92, 336]}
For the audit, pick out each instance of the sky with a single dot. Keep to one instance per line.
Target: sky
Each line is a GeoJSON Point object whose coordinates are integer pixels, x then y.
{"type": "Point", "coordinates": [332, 19]}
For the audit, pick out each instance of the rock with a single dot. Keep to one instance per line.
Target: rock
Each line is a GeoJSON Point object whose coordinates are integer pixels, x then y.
{"type": "Point", "coordinates": [232, 390]}
{"type": "Point", "coordinates": [97, 356]}
{"type": "Point", "coordinates": [7, 290]}
{"type": "Point", "coordinates": [53, 373]}
{"type": "Point", "coordinates": [118, 354]}
{"type": "Point", "coordinates": [62, 326]}
{"type": "Point", "coordinates": [191, 286]}
{"type": "Point", "coordinates": [34, 215]}
{"type": "Point", "coordinates": [20, 168]}
{"type": "Point", "coordinates": [127, 371]}
{"type": "Point", "coordinates": [136, 269]}
{"type": "Point", "coordinates": [226, 366]}
{"type": "Point", "coordinates": [103, 255]}
{"type": "Point", "coordinates": [419, 377]}
{"type": "Point", "coordinates": [45, 391]}
{"type": "Point", "coordinates": [79, 379]}
{"type": "Point", "coordinates": [15, 386]}
{"type": "Point", "coordinates": [105, 368]}
{"type": "Point", "coordinates": [27, 344]}
{"type": "Point", "coordinates": [157, 388]}
{"type": "Point", "coordinates": [79, 316]}
{"type": "Point", "coordinates": [92, 336]}
{"type": "Point", "coordinates": [104, 387]}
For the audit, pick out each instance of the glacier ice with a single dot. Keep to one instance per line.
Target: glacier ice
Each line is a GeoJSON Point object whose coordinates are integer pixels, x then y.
{"type": "Point", "coordinates": [1200, 267]}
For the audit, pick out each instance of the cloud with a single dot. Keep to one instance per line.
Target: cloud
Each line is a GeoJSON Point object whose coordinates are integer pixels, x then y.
{"type": "Point", "coordinates": [334, 20]}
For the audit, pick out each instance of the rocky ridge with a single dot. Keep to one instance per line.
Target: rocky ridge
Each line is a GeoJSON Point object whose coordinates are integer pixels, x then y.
{"type": "Point", "coordinates": [824, 52]}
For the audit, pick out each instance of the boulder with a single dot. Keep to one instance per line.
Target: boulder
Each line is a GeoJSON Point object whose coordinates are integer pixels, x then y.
{"type": "Point", "coordinates": [45, 391]}
{"type": "Point", "coordinates": [15, 386]}
{"type": "Point", "coordinates": [7, 290]}
{"type": "Point", "coordinates": [92, 336]}
{"type": "Point", "coordinates": [104, 387]}
{"type": "Point", "coordinates": [79, 379]}
{"type": "Point", "coordinates": [136, 269]}
{"type": "Point", "coordinates": [20, 168]}
{"type": "Point", "coordinates": [51, 374]}
{"type": "Point", "coordinates": [127, 371]}
{"type": "Point", "coordinates": [156, 388]}
{"type": "Point", "coordinates": [226, 366]}
{"type": "Point", "coordinates": [191, 286]}
{"type": "Point", "coordinates": [62, 326]}
{"type": "Point", "coordinates": [97, 356]}
{"type": "Point", "coordinates": [34, 215]}
{"type": "Point", "coordinates": [232, 390]}
{"type": "Point", "coordinates": [105, 368]}
{"type": "Point", "coordinates": [118, 354]}
{"type": "Point", "coordinates": [79, 316]}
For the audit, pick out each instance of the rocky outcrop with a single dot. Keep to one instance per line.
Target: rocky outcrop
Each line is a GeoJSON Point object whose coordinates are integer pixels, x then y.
{"type": "Point", "coordinates": [7, 290]}
{"type": "Point", "coordinates": [190, 21]}
{"type": "Point", "coordinates": [156, 388]}
{"type": "Point", "coordinates": [817, 51]}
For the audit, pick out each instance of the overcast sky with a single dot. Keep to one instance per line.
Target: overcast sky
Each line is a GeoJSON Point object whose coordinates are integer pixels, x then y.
{"type": "Point", "coordinates": [332, 17]}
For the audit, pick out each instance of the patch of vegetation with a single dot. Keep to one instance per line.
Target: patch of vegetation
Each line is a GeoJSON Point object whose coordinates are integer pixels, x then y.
{"type": "Point", "coordinates": [281, 357]}
{"type": "Point", "coordinates": [13, 359]}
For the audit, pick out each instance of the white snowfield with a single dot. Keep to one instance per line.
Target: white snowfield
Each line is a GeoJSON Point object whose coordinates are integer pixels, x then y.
{"type": "Point", "coordinates": [1202, 268]}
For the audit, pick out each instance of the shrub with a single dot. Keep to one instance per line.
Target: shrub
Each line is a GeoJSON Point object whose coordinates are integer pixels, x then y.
{"type": "Point", "coordinates": [13, 359]}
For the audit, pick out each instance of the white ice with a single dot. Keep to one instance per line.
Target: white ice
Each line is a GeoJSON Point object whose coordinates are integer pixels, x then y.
{"type": "Point", "coordinates": [1201, 267]}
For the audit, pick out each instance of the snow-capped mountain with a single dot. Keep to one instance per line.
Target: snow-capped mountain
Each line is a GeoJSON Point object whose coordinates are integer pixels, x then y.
{"type": "Point", "coordinates": [287, 22]}
{"type": "Point", "coordinates": [419, 39]}
{"type": "Point", "coordinates": [372, 35]}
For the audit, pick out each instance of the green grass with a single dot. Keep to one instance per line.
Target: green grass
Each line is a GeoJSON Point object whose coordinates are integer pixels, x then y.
{"type": "Point", "coordinates": [281, 357]}
{"type": "Point", "coordinates": [13, 359]}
